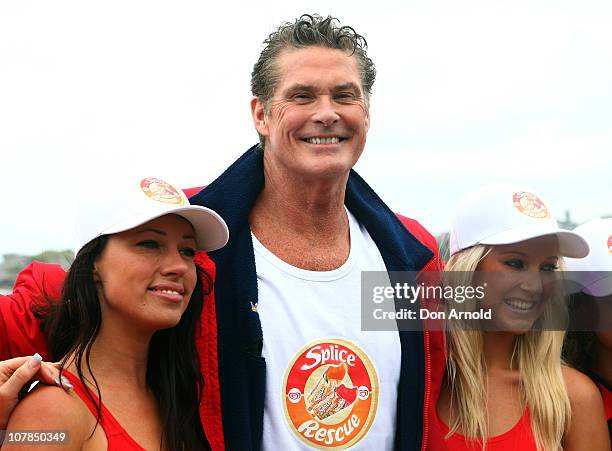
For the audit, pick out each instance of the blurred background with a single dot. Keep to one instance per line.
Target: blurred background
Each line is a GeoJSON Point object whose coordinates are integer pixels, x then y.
{"type": "Point", "coordinates": [467, 93]}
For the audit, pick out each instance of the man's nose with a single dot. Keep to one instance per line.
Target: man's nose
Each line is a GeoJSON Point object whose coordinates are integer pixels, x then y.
{"type": "Point", "coordinates": [326, 111]}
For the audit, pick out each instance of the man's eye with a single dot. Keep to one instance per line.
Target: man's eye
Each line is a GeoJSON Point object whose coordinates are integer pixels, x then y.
{"type": "Point", "coordinates": [148, 244]}
{"type": "Point", "coordinates": [302, 97]}
{"type": "Point", "coordinates": [345, 96]}
{"type": "Point", "coordinates": [188, 252]}
{"type": "Point", "coordinates": [514, 263]}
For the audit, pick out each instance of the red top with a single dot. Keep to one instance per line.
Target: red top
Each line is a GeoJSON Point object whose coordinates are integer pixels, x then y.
{"type": "Point", "coordinates": [117, 437]}
{"type": "Point", "coordinates": [607, 398]}
{"type": "Point", "coordinates": [520, 437]}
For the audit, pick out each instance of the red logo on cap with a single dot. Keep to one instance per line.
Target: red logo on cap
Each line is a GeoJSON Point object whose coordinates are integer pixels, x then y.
{"type": "Point", "coordinates": [610, 244]}
{"type": "Point", "coordinates": [161, 191]}
{"type": "Point", "coordinates": [530, 205]}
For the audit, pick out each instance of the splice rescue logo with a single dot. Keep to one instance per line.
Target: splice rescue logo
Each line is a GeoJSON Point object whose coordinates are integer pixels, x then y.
{"type": "Point", "coordinates": [531, 205]}
{"type": "Point", "coordinates": [330, 394]}
{"type": "Point", "coordinates": [161, 191]}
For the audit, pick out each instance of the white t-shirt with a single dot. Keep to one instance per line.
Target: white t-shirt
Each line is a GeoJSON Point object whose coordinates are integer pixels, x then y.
{"type": "Point", "coordinates": [328, 384]}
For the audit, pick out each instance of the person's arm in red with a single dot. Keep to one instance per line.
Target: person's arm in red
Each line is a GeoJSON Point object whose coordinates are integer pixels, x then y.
{"type": "Point", "coordinates": [434, 338]}
{"type": "Point", "coordinates": [20, 332]}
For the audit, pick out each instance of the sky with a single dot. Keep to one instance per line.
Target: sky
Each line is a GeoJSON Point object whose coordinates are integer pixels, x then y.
{"type": "Point", "coordinates": [467, 93]}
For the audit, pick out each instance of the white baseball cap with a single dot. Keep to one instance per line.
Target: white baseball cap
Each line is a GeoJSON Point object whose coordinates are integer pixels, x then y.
{"type": "Point", "coordinates": [594, 273]}
{"type": "Point", "coordinates": [115, 205]}
{"type": "Point", "coordinates": [507, 214]}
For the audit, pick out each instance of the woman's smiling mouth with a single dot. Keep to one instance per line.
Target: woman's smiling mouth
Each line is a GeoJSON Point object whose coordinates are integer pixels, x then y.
{"type": "Point", "coordinates": [520, 305]}
{"type": "Point", "coordinates": [168, 292]}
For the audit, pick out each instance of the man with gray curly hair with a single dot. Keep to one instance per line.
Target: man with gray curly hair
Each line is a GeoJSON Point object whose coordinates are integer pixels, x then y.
{"type": "Point", "coordinates": [309, 31]}
{"type": "Point", "coordinates": [296, 370]}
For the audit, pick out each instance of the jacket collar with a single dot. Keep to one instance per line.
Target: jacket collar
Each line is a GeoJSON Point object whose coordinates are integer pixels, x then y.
{"type": "Point", "coordinates": [234, 193]}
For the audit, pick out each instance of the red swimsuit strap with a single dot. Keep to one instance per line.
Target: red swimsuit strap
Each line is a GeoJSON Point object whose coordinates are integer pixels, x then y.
{"type": "Point", "coordinates": [117, 436]}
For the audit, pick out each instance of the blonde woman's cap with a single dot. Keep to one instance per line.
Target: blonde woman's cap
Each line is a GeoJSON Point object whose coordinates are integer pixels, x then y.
{"type": "Point", "coordinates": [506, 214]}
{"type": "Point", "coordinates": [594, 273]}
{"type": "Point", "coordinates": [116, 205]}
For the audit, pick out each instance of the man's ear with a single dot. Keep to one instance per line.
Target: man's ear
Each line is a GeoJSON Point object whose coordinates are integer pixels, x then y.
{"type": "Point", "coordinates": [259, 116]}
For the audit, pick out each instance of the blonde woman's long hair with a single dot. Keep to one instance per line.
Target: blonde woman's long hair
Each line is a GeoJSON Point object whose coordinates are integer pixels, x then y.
{"type": "Point", "coordinates": [537, 356]}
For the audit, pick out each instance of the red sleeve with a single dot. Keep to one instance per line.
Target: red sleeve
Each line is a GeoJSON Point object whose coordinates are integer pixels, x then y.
{"type": "Point", "coordinates": [423, 235]}
{"type": "Point", "coordinates": [192, 191]}
{"type": "Point", "coordinates": [435, 345]}
{"type": "Point", "coordinates": [20, 332]}
{"type": "Point", "coordinates": [206, 344]}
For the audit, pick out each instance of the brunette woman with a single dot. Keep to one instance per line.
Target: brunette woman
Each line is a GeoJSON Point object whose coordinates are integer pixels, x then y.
{"type": "Point", "coordinates": [126, 326]}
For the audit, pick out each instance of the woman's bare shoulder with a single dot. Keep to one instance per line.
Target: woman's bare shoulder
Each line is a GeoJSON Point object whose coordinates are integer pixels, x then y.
{"type": "Point", "coordinates": [52, 408]}
{"type": "Point", "coordinates": [580, 388]}
{"type": "Point", "coordinates": [587, 417]}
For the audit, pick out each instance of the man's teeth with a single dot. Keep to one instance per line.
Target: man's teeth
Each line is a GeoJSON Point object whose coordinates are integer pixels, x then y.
{"type": "Point", "coordinates": [167, 291]}
{"type": "Point", "coordinates": [334, 140]}
{"type": "Point", "coordinates": [519, 304]}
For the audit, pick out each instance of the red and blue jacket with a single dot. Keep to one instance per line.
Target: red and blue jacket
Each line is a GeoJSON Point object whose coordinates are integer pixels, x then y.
{"type": "Point", "coordinates": [404, 245]}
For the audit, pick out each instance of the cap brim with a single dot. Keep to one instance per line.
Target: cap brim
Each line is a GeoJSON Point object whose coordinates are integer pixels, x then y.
{"type": "Point", "coordinates": [570, 244]}
{"type": "Point", "coordinates": [210, 228]}
{"type": "Point", "coordinates": [601, 288]}
{"type": "Point", "coordinates": [595, 283]}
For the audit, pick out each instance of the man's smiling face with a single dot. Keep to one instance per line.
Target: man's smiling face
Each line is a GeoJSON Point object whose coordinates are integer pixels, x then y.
{"type": "Point", "coordinates": [316, 123]}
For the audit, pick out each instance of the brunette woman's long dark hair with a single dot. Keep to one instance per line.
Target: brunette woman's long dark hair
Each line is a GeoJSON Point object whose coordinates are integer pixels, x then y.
{"type": "Point", "coordinates": [173, 372]}
{"type": "Point", "coordinates": [580, 345]}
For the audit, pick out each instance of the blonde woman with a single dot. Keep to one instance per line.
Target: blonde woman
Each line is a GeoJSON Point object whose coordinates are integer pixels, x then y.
{"type": "Point", "coordinates": [505, 387]}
